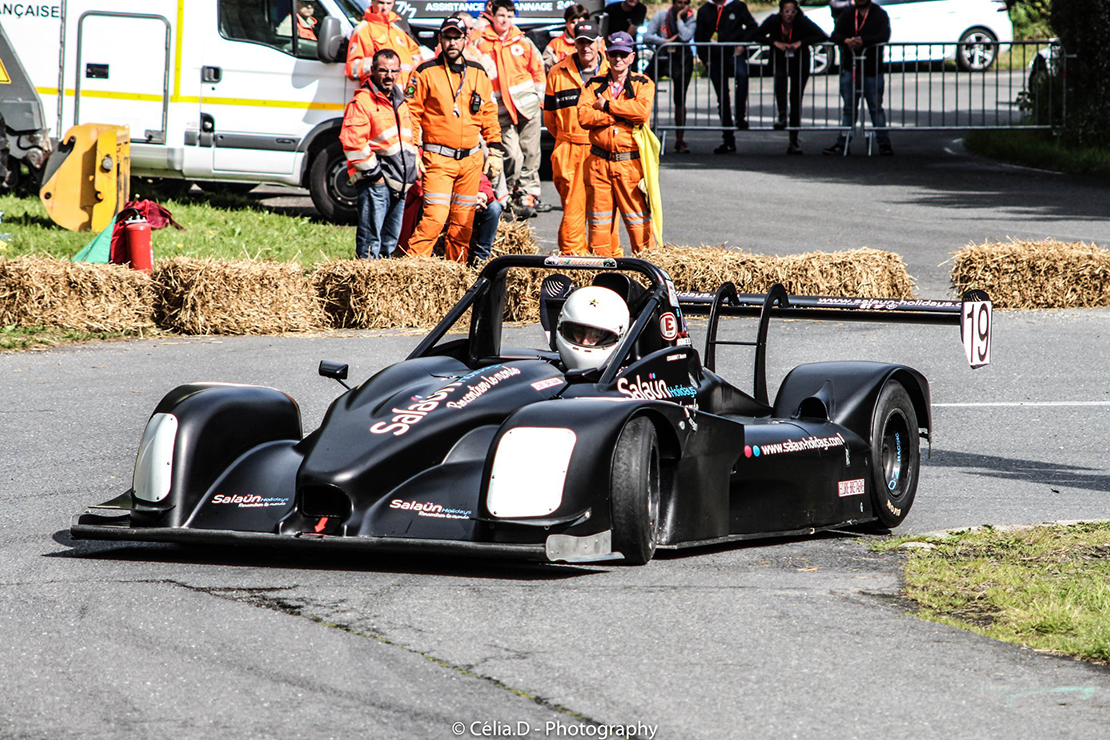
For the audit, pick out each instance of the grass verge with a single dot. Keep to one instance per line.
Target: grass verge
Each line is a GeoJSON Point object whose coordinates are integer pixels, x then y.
{"type": "Point", "coordinates": [1045, 587]}
{"type": "Point", "coordinates": [221, 226]}
{"type": "Point", "coordinates": [15, 338]}
{"type": "Point", "coordinates": [1038, 149]}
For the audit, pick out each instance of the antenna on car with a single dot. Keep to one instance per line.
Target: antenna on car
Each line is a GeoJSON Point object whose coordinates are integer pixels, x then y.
{"type": "Point", "coordinates": [335, 370]}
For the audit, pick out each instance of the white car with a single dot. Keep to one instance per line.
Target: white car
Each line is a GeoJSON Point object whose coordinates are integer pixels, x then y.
{"type": "Point", "coordinates": [972, 32]}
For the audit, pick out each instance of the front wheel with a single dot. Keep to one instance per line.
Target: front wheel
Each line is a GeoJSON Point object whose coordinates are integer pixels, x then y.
{"type": "Point", "coordinates": [635, 492]}
{"type": "Point", "coordinates": [333, 196]}
{"type": "Point", "coordinates": [895, 455]}
{"type": "Point", "coordinates": [977, 50]}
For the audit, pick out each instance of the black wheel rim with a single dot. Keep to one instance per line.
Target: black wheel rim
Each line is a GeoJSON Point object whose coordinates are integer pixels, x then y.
{"type": "Point", "coordinates": [895, 454]}
{"type": "Point", "coordinates": [339, 187]}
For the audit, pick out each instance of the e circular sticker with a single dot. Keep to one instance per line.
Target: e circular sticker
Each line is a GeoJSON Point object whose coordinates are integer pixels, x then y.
{"type": "Point", "coordinates": [668, 326]}
{"type": "Point", "coordinates": [517, 50]}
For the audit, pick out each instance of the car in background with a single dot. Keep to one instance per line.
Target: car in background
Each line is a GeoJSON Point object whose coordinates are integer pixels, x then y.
{"type": "Point", "coordinates": [971, 32]}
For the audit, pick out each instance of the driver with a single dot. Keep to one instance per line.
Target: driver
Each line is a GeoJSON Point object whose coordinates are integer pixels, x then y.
{"type": "Point", "coordinates": [591, 324]}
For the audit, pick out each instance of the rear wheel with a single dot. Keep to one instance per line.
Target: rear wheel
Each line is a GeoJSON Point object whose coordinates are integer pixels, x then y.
{"type": "Point", "coordinates": [977, 50]}
{"type": "Point", "coordinates": [333, 196]}
{"type": "Point", "coordinates": [635, 492]}
{"type": "Point", "coordinates": [895, 455]}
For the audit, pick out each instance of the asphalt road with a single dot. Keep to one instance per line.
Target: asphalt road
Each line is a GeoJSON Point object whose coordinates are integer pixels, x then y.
{"type": "Point", "coordinates": [796, 638]}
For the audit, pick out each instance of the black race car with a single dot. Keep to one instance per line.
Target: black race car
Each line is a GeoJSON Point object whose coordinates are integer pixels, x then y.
{"type": "Point", "coordinates": [471, 447]}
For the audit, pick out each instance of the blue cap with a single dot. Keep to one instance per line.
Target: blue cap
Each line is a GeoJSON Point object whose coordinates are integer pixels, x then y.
{"type": "Point", "coordinates": [620, 41]}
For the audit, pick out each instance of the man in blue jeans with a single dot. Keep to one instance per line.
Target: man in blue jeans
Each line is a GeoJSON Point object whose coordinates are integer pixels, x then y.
{"type": "Point", "coordinates": [377, 139]}
{"type": "Point", "coordinates": [860, 32]}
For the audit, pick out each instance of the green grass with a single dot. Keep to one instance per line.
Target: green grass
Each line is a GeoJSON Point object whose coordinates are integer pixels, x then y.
{"type": "Point", "coordinates": [223, 227]}
{"type": "Point", "coordinates": [16, 338]}
{"type": "Point", "coordinates": [1047, 587]}
{"type": "Point", "coordinates": [1038, 149]}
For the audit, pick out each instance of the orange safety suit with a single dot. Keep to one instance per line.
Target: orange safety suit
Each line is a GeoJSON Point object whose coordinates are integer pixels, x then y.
{"type": "Point", "coordinates": [442, 100]}
{"type": "Point", "coordinates": [572, 144]}
{"type": "Point", "coordinates": [516, 70]}
{"type": "Point", "coordinates": [613, 170]}
{"type": "Point", "coordinates": [371, 35]}
{"type": "Point", "coordinates": [558, 49]}
{"type": "Point", "coordinates": [377, 137]}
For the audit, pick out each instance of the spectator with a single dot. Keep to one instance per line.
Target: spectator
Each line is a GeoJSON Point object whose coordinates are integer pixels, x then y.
{"type": "Point", "coordinates": [306, 22]}
{"type": "Point", "coordinates": [486, 219]}
{"type": "Point", "coordinates": [674, 25]}
{"type": "Point", "coordinates": [610, 107]}
{"type": "Point", "coordinates": [626, 15]}
{"type": "Point", "coordinates": [726, 21]}
{"type": "Point", "coordinates": [516, 71]}
{"type": "Point", "coordinates": [381, 156]}
{"type": "Point", "coordinates": [451, 100]}
{"type": "Point", "coordinates": [562, 46]}
{"type": "Point", "coordinates": [379, 30]}
{"type": "Point", "coordinates": [790, 35]}
{"type": "Point", "coordinates": [572, 142]}
{"type": "Point", "coordinates": [861, 32]}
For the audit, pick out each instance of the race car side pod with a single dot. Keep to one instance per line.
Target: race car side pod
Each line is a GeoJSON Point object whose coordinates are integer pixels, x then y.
{"type": "Point", "coordinates": [972, 313]}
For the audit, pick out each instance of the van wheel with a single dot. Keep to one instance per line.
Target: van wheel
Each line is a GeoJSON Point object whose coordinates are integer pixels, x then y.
{"type": "Point", "coordinates": [327, 183]}
{"type": "Point", "coordinates": [895, 455]}
{"type": "Point", "coordinates": [635, 492]}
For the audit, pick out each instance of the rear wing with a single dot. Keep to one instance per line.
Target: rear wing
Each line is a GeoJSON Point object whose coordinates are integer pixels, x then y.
{"type": "Point", "coordinates": [972, 313]}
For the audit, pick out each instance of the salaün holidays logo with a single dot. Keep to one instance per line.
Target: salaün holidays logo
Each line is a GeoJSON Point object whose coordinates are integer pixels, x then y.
{"type": "Point", "coordinates": [790, 445]}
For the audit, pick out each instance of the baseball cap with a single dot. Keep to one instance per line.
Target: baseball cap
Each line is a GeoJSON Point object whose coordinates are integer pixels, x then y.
{"type": "Point", "coordinates": [619, 41]}
{"type": "Point", "coordinates": [453, 24]}
{"type": "Point", "coordinates": [586, 30]}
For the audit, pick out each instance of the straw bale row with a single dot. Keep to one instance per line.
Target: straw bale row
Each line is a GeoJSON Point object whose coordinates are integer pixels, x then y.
{"type": "Point", "coordinates": [1035, 274]}
{"type": "Point", "coordinates": [46, 292]}
{"type": "Point", "coordinates": [204, 296]}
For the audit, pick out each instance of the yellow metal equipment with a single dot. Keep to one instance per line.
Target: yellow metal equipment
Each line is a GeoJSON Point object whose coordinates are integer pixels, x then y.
{"type": "Point", "coordinates": [88, 179]}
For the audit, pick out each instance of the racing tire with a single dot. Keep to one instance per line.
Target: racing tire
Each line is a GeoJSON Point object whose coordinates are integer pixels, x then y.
{"type": "Point", "coordinates": [635, 492]}
{"type": "Point", "coordinates": [977, 50]}
{"type": "Point", "coordinates": [334, 198]}
{"type": "Point", "coordinates": [895, 455]}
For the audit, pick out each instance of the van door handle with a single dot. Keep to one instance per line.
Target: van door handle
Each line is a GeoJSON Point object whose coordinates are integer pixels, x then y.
{"type": "Point", "coordinates": [211, 74]}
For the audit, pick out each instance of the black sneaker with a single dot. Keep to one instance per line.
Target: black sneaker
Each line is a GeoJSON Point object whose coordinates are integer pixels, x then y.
{"type": "Point", "coordinates": [886, 150]}
{"type": "Point", "coordinates": [780, 124]}
{"type": "Point", "coordinates": [728, 147]}
{"type": "Point", "coordinates": [793, 148]}
{"type": "Point", "coordinates": [542, 207]}
{"type": "Point", "coordinates": [742, 124]}
{"type": "Point", "coordinates": [835, 149]}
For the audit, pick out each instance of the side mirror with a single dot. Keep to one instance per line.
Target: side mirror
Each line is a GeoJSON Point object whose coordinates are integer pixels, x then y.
{"type": "Point", "coordinates": [331, 44]}
{"type": "Point", "coordinates": [335, 370]}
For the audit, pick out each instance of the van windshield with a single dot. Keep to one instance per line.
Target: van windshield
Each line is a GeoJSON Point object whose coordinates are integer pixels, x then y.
{"type": "Point", "coordinates": [353, 9]}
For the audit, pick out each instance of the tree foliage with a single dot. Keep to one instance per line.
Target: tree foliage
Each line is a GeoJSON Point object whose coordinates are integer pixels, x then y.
{"type": "Point", "coordinates": [1032, 18]}
{"type": "Point", "coordinates": [1084, 28]}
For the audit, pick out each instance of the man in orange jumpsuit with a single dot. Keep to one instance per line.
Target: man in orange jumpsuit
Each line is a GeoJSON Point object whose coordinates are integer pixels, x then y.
{"type": "Point", "coordinates": [572, 142]}
{"type": "Point", "coordinates": [379, 30]}
{"type": "Point", "coordinates": [516, 70]}
{"type": "Point", "coordinates": [451, 100]}
{"type": "Point", "coordinates": [609, 108]}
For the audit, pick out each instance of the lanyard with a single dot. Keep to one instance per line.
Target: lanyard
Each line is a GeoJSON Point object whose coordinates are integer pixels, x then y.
{"type": "Point", "coordinates": [786, 38]}
{"type": "Point", "coordinates": [455, 95]}
{"type": "Point", "coordinates": [860, 24]}
{"type": "Point", "coordinates": [720, 9]}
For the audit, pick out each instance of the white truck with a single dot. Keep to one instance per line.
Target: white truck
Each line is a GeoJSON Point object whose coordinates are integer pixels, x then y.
{"type": "Point", "coordinates": [213, 90]}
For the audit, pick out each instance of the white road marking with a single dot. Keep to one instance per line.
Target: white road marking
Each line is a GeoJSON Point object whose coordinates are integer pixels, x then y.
{"type": "Point", "coordinates": [1025, 403]}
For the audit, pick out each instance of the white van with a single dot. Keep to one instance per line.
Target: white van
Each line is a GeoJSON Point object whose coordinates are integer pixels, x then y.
{"type": "Point", "coordinates": [213, 90]}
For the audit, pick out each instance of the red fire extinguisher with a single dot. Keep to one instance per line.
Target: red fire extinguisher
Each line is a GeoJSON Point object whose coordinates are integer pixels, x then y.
{"type": "Point", "coordinates": [136, 238]}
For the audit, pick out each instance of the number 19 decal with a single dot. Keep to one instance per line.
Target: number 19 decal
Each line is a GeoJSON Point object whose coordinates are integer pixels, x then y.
{"type": "Point", "coordinates": [975, 327]}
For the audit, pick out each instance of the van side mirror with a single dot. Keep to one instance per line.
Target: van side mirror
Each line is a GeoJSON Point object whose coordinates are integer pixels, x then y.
{"type": "Point", "coordinates": [331, 44]}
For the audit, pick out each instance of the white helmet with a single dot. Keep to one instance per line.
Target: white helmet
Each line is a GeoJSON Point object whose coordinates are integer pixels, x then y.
{"type": "Point", "coordinates": [591, 324]}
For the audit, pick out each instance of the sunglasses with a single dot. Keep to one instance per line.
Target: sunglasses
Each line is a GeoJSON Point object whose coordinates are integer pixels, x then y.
{"type": "Point", "coordinates": [619, 54]}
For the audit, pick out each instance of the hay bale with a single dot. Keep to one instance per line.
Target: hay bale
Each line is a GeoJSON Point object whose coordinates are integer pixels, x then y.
{"type": "Point", "coordinates": [859, 272]}
{"type": "Point", "coordinates": [1035, 274]}
{"type": "Point", "coordinates": [384, 294]}
{"type": "Point", "coordinates": [514, 237]}
{"type": "Point", "coordinates": [207, 296]}
{"type": "Point", "coordinates": [49, 292]}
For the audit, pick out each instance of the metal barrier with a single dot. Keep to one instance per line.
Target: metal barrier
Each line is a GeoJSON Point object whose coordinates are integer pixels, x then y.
{"type": "Point", "coordinates": [928, 87]}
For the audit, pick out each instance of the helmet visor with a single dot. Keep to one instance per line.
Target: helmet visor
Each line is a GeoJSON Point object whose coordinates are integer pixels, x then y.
{"type": "Point", "coordinates": [587, 336]}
